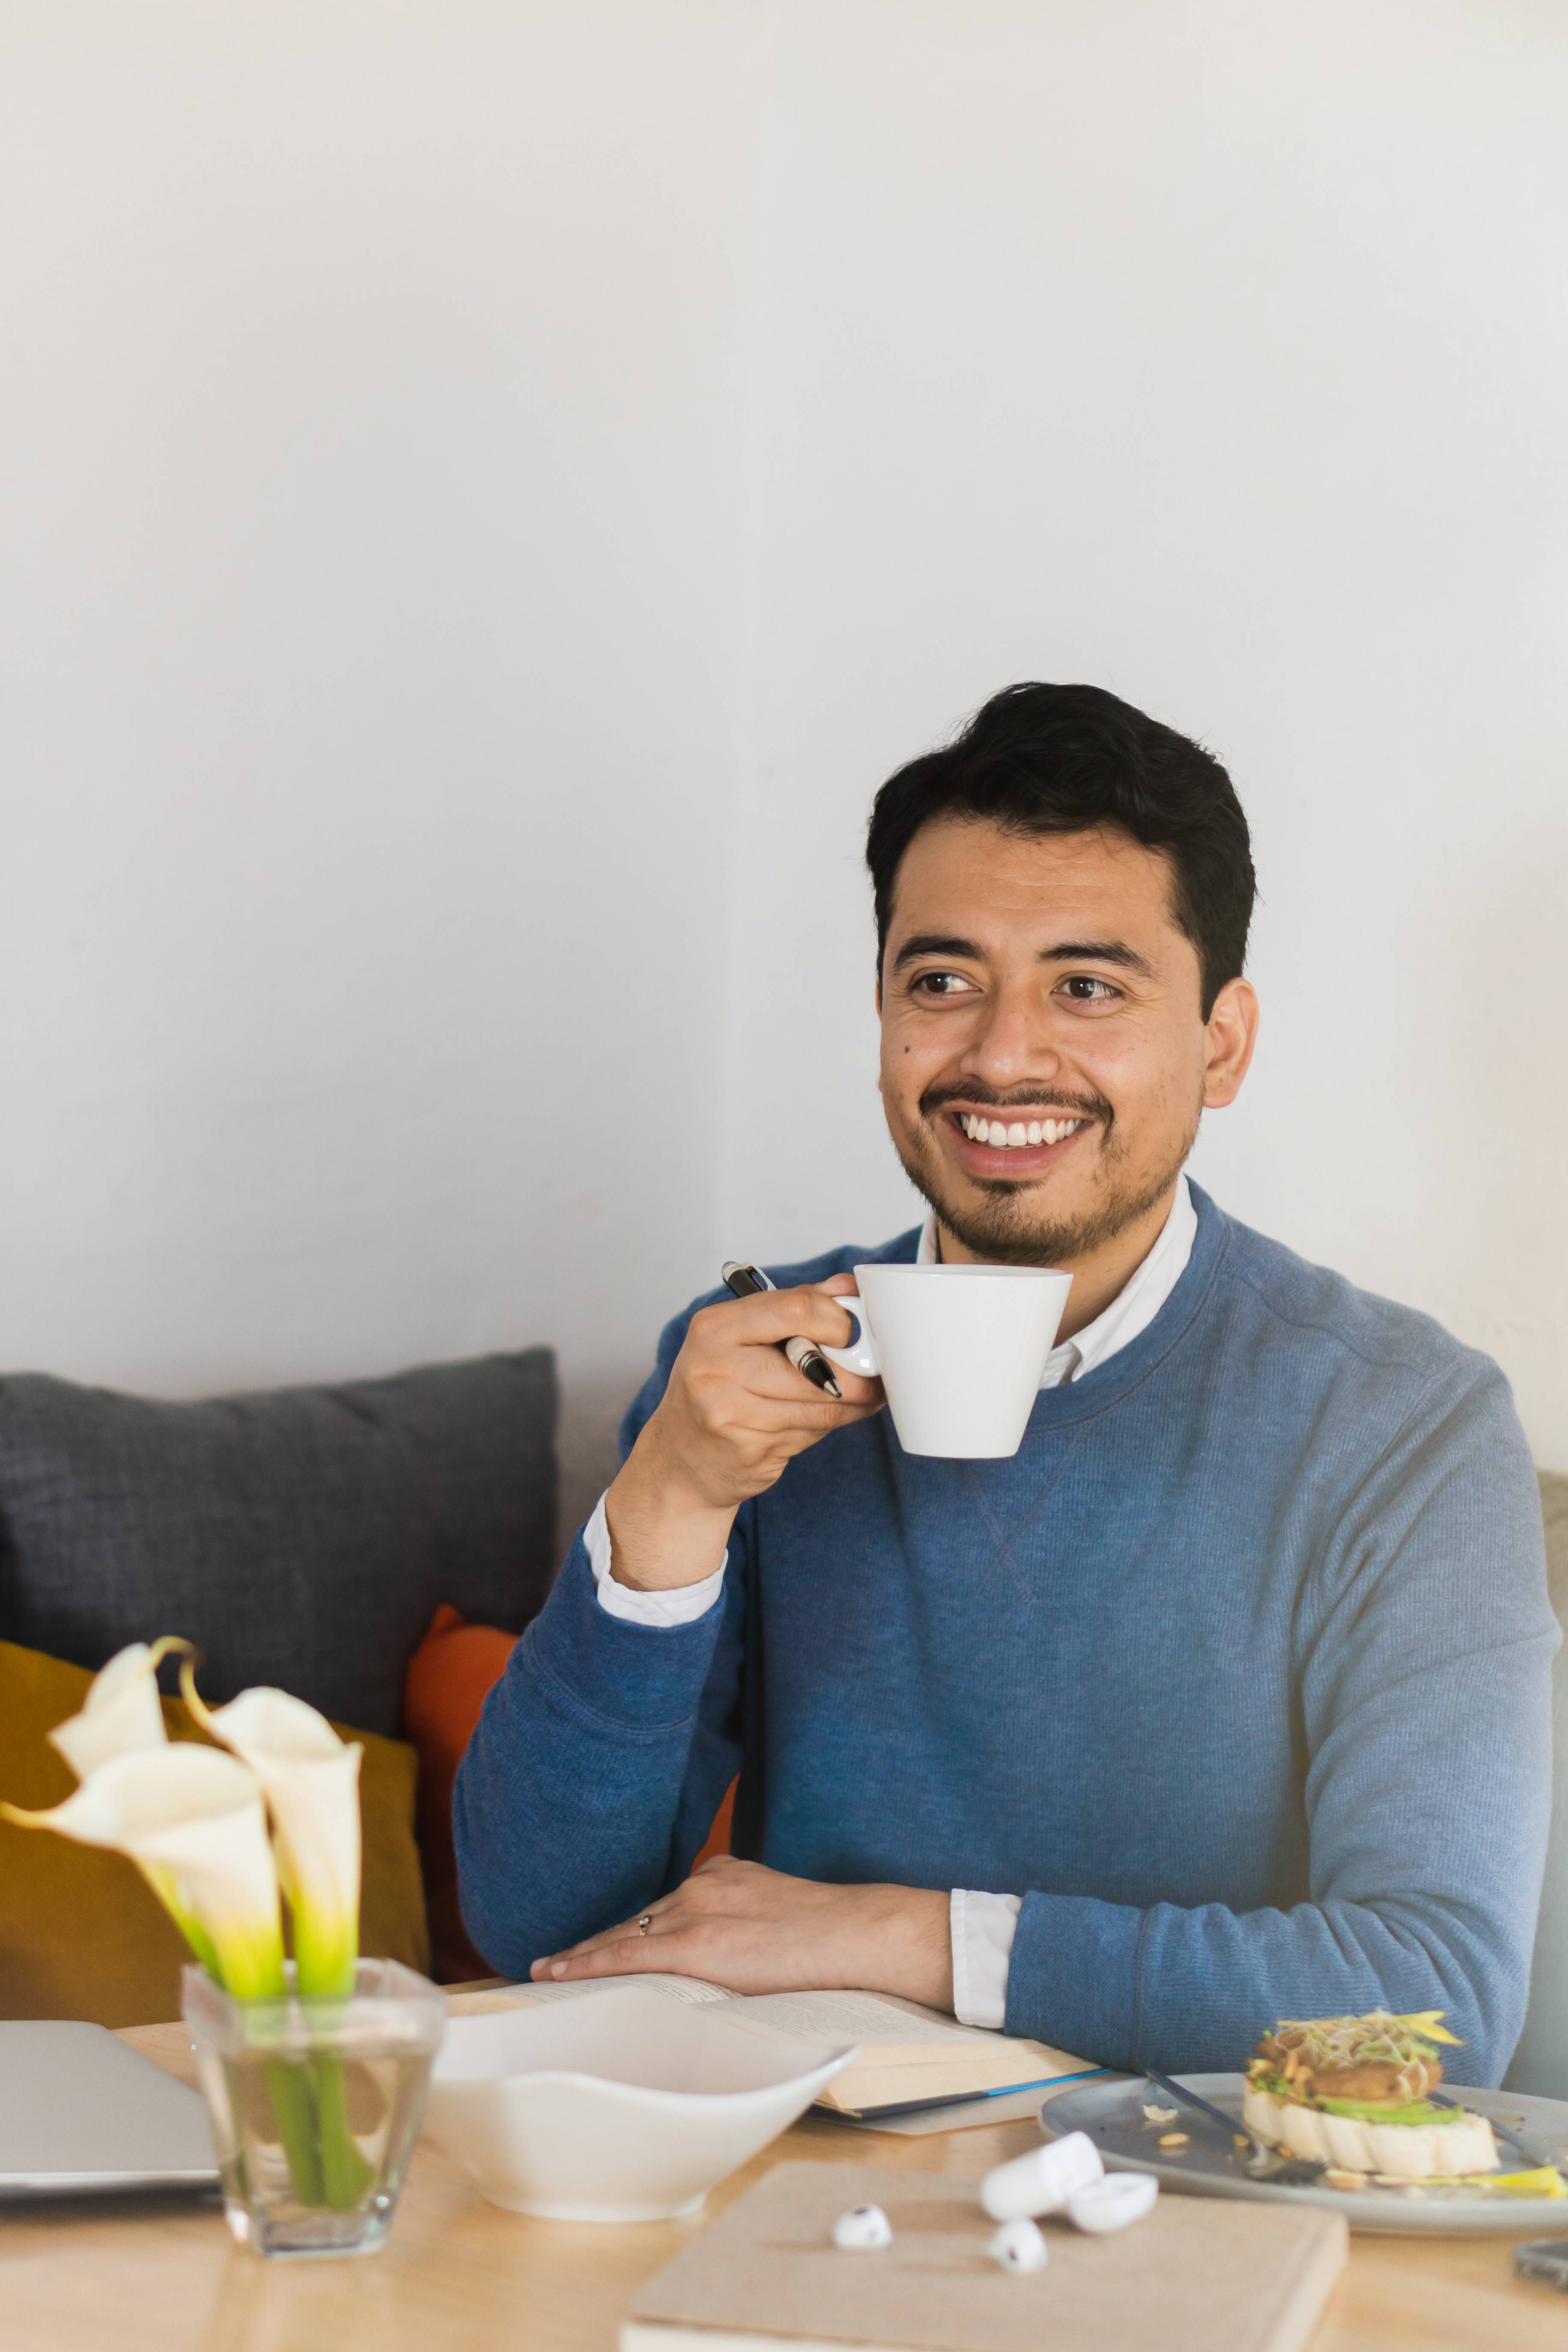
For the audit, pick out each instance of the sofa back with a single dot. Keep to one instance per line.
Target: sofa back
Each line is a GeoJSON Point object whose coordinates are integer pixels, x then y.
{"type": "Point", "coordinates": [302, 1537]}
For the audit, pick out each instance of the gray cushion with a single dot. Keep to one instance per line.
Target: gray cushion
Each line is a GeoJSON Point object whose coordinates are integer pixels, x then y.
{"type": "Point", "coordinates": [300, 1538]}
{"type": "Point", "coordinates": [1541, 2062]}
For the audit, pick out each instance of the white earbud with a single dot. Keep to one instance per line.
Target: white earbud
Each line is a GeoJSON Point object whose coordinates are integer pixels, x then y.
{"type": "Point", "coordinates": [865, 2230]}
{"type": "Point", "coordinates": [1018, 2247]}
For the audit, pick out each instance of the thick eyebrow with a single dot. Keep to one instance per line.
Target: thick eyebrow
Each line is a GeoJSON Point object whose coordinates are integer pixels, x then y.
{"type": "Point", "coordinates": [941, 943]}
{"type": "Point", "coordinates": [926, 943]}
{"type": "Point", "coordinates": [1099, 952]}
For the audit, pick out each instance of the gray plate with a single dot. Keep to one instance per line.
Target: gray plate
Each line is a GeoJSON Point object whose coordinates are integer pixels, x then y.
{"type": "Point", "coordinates": [1112, 2115]}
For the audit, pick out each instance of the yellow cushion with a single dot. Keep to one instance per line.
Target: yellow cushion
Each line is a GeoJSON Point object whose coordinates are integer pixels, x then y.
{"type": "Point", "coordinates": [80, 1933]}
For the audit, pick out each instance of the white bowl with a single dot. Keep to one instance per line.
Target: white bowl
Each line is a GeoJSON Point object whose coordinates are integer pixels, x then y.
{"type": "Point", "coordinates": [619, 2106]}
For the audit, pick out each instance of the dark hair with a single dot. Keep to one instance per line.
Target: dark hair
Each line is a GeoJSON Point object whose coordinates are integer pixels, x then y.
{"type": "Point", "coordinates": [1061, 758]}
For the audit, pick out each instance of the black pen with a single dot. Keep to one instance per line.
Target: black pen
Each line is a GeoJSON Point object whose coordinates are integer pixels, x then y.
{"type": "Point", "coordinates": [744, 1280]}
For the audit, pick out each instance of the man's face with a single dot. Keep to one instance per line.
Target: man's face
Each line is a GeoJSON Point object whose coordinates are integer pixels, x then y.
{"type": "Point", "coordinates": [1045, 1056]}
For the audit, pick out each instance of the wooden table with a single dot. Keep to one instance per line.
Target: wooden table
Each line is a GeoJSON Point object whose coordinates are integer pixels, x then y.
{"type": "Point", "coordinates": [460, 2276]}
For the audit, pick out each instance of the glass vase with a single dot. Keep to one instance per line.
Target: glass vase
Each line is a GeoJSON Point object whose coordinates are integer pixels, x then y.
{"type": "Point", "coordinates": [315, 2104]}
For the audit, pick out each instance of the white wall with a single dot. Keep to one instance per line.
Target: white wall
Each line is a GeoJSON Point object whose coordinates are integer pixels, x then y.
{"type": "Point", "coordinates": [372, 499]}
{"type": "Point", "coordinates": [479, 481]}
{"type": "Point", "coordinates": [1217, 355]}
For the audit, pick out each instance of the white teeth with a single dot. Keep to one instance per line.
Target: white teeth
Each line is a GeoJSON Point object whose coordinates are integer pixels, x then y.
{"type": "Point", "coordinates": [1017, 1136]}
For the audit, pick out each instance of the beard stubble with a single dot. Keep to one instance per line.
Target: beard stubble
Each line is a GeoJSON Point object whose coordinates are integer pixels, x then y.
{"type": "Point", "coordinates": [1008, 1226]}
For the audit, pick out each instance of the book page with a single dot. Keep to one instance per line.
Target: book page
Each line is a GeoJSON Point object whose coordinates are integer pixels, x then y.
{"type": "Point", "coordinates": [806, 2016]}
{"type": "Point", "coordinates": [863, 2017]}
{"type": "Point", "coordinates": [907, 2053]}
{"type": "Point", "coordinates": [693, 1990]}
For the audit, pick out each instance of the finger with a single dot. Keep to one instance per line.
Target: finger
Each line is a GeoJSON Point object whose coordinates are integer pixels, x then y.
{"type": "Point", "coordinates": [622, 1931]}
{"type": "Point", "coordinates": [769, 1315]}
{"type": "Point", "coordinates": [669, 1955]}
{"type": "Point", "coordinates": [808, 1415]}
{"type": "Point", "coordinates": [768, 1373]}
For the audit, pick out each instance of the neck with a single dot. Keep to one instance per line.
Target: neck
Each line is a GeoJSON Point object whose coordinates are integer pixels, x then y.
{"type": "Point", "coordinates": [1098, 1274]}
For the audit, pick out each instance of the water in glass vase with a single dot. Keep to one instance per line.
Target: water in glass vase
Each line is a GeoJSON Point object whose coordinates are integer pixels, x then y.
{"type": "Point", "coordinates": [315, 2105]}
{"type": "Point", "coordinates": [318, 2148]}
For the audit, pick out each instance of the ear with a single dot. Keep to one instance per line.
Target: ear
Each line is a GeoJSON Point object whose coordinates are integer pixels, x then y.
{"type": "Point", "coordinates": [1231, 1034]}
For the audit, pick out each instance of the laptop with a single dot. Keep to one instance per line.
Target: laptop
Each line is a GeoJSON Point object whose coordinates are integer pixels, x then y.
{"type": "Point", "coordinates": [81, 2112]}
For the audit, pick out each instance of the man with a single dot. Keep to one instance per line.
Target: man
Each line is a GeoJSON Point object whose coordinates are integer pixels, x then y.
{"type": "Point", "coordinates": [1224, 1700]}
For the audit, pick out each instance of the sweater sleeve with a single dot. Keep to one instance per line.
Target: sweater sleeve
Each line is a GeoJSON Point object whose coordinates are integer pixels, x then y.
{"type": "Point", "coordinates": [1425, 1727]}
{"type": "Point", "coordinates": [601, 1756]}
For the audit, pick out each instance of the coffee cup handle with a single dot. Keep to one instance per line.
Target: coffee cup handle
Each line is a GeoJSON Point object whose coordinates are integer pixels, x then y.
{"type": "Point", "coordinates": [860, 1355]}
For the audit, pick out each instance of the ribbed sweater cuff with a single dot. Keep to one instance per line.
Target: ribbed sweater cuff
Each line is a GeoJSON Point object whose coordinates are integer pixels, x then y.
{"type": "Point", "coordinates": [642, 1678]}
{"type": "Point", "coordinates": [1073, 1977]}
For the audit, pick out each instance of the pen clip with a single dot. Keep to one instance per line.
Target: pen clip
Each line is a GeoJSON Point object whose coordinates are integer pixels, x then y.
{"type": "Point", "coordinates": [752, 1276]}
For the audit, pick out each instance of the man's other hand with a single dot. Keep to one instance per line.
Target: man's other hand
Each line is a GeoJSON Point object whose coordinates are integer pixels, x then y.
{"type": "Point", "coordinates": [734, 1413]}
{"type": "Point", "coordinates": [757, 1930]}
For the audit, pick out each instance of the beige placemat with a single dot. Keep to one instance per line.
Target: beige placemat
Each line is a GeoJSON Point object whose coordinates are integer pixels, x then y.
{"type": "Point", "coordinates": [1198, 2274]}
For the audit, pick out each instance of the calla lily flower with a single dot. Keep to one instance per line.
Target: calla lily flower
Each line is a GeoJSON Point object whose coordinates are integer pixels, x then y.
{"type": "Point", "coordinates": [311, 1780]}
{"type": "Point", "coordinates": [120, 1711]}
{"type": "Point", "coordinates": [192, 1821]}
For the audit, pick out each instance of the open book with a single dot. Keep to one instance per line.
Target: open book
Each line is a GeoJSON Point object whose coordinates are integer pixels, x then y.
{"type": "Point", "coordinates": [909, 2056]}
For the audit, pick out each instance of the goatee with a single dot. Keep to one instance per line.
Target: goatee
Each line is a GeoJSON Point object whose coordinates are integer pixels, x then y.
{"type": "Point", "coordinates": [1009, 1225]}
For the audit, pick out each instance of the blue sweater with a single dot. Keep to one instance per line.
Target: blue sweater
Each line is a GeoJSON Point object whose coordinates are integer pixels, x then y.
{"type": "Point", "coordinates": [1237, 1672]}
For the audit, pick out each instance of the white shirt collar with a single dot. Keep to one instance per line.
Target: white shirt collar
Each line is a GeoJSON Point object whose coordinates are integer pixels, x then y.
{"type": "Point", "coordinates": [1135, 1305]}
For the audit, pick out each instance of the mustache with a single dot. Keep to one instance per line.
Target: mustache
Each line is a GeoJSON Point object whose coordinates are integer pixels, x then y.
{"type": "Point", "coordinates": [1088, 1105]}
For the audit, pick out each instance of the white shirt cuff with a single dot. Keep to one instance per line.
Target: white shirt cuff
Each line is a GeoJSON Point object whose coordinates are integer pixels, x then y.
{"type": "Point", "coordinates": [982, 1927]}
{"type": "Point", "coordinates": [681, 1606]}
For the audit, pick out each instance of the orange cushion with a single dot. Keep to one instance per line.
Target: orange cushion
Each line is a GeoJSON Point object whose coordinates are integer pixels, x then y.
{"type": "Point", "coordinates": [719, 1835]}
{"type": "Point", "coordinates": [449, 1678]}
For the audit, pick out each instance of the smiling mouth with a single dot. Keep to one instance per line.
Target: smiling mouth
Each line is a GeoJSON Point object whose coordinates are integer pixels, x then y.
{"type": "Point", "coordinates": [1016, 1134]}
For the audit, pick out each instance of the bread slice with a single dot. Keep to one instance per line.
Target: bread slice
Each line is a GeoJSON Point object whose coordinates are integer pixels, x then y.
{"type": "Point", "coordinates": [1352, 2144]}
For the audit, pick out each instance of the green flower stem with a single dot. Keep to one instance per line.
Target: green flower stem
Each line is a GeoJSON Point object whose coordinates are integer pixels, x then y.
{"type": "Point", "coordinates": [309, 2105]}
{"type": "Point", "coordinates": [345, 2174]}
{"type": "Point", "coordinates": [311, 2111]}
{"type": "Point", "coordinates": [290, 2090]}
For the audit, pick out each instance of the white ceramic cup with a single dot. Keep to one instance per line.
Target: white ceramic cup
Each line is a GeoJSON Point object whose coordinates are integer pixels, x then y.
{"type": "Point", "coordinates": [959, 1349]}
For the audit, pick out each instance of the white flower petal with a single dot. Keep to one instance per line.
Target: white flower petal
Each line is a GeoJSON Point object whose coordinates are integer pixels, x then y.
{"type": "Point", "coordinates": [191, 1818]}
{"type": "Point", "coordinates": [119, 1714]}
{"type": "Point", "coordinates": [270, 1722]}
{"type": "Point", "coordinates": [310, 1780]}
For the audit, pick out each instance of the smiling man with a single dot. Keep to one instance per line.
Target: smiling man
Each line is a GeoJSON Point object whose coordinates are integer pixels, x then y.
{"type": "Point", "coordinates": [1224, 1700]}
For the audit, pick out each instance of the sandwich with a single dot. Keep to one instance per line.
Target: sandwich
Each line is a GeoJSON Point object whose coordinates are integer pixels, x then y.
{"type": "Point", "coordinates": [1355, 2093]}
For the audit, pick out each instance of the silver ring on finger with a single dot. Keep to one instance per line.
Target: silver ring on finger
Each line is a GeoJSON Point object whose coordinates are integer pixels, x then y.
{"type": "Point", "coordinates": [644, 1923]}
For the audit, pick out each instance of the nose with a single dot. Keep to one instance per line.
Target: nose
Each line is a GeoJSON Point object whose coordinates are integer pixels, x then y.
{"type": "Point", "coordinates": [1012, 1045]}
